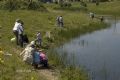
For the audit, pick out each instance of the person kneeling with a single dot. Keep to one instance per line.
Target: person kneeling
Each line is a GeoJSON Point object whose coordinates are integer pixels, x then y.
{"type": "Point", "coordinates": [36, 59]}
{"type": "Point", "coordinates": [43, 58]}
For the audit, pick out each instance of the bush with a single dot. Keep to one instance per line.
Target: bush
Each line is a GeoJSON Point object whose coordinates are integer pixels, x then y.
{"type": "Point", "coordinates": [23, 5]}
{"type": "Point", "coordinates": [66, 4]}
{"type": "Point", "coordinates": [83, 4]}
{"type": "Point", "coordinates": [16, 4]}
{"type": "Point", "coordinates": [33, 5]}
{"type": "Point", "coordinates": [56, 2]}
{"type": "Point", "coordinates": [9, 5]}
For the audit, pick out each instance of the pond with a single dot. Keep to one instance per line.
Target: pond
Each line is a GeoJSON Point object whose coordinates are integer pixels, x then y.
{"type": "Point", "coordinates": [98, 52]}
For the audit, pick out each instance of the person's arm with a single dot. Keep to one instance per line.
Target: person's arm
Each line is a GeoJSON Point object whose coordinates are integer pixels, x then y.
{"type": "Point", "coordinates": [20, 28]}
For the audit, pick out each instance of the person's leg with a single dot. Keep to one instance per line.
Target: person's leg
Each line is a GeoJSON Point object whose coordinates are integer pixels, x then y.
{"type": "Point", "coordinates": [40, 42]}
{"type": "Point", "coordinates": [21, 40]}
{"type": "Point", "coordinates": [62, 24]}
{"type": "Point", "coordinates": [58, 24]}
{"type": "Point", "coordinates": [16, 35]}
{"type": "Point", "coordinates": [35, 65]}
{"type": "Point", "coordinates": [45, 63]}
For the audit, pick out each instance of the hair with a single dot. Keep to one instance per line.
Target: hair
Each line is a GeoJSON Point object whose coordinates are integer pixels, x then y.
{"type": "Point", "coordinates": [17, 20]}
{"type": "Point", "coordinates": [22, 22]}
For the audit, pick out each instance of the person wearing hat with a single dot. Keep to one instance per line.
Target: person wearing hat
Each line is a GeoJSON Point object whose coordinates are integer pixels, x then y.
{"type": "Point", "coordinates": [27, 53]}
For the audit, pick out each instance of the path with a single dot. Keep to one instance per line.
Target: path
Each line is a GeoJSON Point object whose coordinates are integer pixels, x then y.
{"type": "Point", "coordinates": [48, 74]}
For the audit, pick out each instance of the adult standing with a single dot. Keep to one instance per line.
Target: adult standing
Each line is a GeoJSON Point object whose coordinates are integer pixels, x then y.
{"type": "Point", "coordinates": [61, 21]}
{"type": "Point", "coordinates": [15, 30]}
{"type": "Point", "coordinates": [101, 18]}
{"type": "Point", "coordinates": [92, 15]}
{"type": "Point", "coordinates": [57, 21]}
{"type": "Point", "coordinates": [18, 32]}
{"type": "Point", "coordinates": [38, 40]}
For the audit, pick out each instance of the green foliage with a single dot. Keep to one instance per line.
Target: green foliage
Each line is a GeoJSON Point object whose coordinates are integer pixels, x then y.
{"type": "Point", "coordinates": [73, 73]}
{"type": "Point", "coordinates": [35, 5]}
{"type": "Point", "coordinates": [83, 4]}
{"type": "Point", "coordinates": [65, 4]}
{"type": "Point", "coordinates": [9, 4]}
{"type": "Point", "coordinates": [70, 7]}
{"type": "Point", "coordinates": [104, 0]}
{"type": "Point", "coordinates": [17, 4]}
{"type": "Point", "coordinates": [107, 8]}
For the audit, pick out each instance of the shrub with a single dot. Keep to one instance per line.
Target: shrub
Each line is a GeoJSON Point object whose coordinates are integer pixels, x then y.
{"type": "Point", "coordinates": [33, 5]}
{"type": "Point", "coordinates": [83, 4]}
{"type": "Point", "coordinates": [56, 2]}
{"type": "Point", "coordinates": [9, 5]}
{"type": "Point", "coordinates": [17, 4]}
{"type": "Point", "coordinates": [66, 4]}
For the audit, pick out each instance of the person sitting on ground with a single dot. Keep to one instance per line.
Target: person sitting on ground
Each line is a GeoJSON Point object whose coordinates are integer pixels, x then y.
{"type": "Point", "coordinates": [27, 53]}
{"type": "Point", "coordinates": [38, 40]}
{"type": "Point", "coordinates": [43, 58]}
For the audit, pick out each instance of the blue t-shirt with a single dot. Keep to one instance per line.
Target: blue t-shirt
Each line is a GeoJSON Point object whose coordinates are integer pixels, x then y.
{"type": "Point", "coordinates": [36, 57]}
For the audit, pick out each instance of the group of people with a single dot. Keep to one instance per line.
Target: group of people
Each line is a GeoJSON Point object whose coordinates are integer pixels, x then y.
{"type": "Point", "coordinates": [59, 20]}
{"type": "Point", "coordinates": [22, 38]}
{"type": "Point", "coordinates": [34, 56]}
{"type": "Point", "coordinates": [92, 16]}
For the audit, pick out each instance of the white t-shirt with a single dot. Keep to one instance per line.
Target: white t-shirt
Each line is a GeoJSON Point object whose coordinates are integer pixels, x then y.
{"type": "Point", "coordinates": [18, 27]}
{"type": "Point", "coordinates": [61, 19]}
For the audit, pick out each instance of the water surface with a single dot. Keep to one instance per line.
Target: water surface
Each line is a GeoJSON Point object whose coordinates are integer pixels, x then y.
{"type": "Point", "coordinates": [98, 52]}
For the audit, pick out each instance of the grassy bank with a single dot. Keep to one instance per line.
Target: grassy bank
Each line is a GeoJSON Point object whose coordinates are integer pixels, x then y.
{"type": "Point", "coordinates": [107, 8]}
{"type": "Point", "coordinates": [76, 23]}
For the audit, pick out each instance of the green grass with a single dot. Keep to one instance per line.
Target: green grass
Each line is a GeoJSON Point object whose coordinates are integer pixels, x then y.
{"type": "Point", "coordinates": [76, 23]}
{"type": "Point", "coordinates": [72, 73]}
{"type": "Point", "coordinates": [74, 7]}
{"type": "Point", "coordinates": [107, 8]}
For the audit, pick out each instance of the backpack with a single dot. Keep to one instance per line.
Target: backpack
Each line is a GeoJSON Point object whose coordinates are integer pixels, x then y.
{"type": "Point", "coordinates": [25, 38]}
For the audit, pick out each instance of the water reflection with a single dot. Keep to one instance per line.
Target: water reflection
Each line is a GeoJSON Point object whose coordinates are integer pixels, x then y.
{"type": "Point", "coordinates": [98, 52]}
